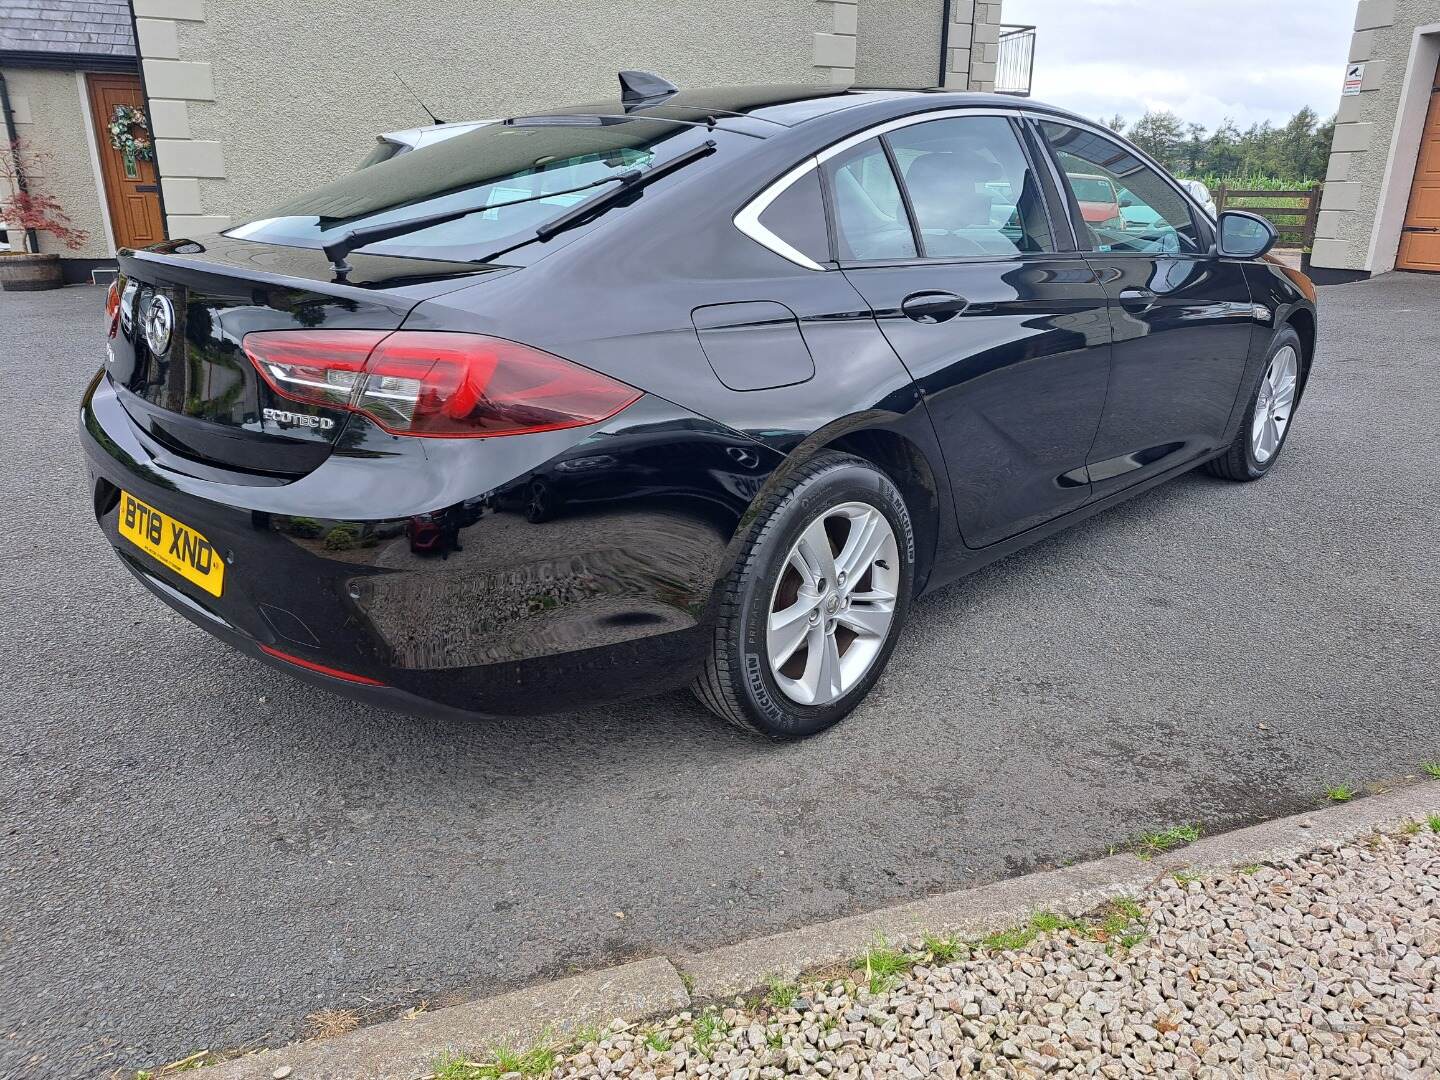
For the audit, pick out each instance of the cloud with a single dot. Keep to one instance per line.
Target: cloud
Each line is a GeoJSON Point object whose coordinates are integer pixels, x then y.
{"type": "Point", "coordinates": [1206, 61]}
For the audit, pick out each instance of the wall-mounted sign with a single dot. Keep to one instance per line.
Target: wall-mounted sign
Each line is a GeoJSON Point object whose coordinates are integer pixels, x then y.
{"type": "Point", "coordinates": [1354, 76]}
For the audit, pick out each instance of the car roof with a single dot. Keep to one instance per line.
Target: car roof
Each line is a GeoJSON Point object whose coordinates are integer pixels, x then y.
{"type": "Point", "coordinates": [782, 105]}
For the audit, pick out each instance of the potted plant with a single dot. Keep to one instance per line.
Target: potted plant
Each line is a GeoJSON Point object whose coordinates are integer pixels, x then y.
{"type": "Point", "coordinates": [26, 209]}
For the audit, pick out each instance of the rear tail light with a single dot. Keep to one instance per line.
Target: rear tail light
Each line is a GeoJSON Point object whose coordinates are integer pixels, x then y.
{"type": "Point", "coordinates": [112, 308]}
{"type": "Point", "coordinates": [435, 384]}
{"type": "Point", "coordinates": [318, 368]}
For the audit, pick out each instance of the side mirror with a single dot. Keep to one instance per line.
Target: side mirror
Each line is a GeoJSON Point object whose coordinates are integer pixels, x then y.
{"type": "Point", "coordinates": [1245, 236]}
{"type": "Point", "coordinates": [1126, 199]}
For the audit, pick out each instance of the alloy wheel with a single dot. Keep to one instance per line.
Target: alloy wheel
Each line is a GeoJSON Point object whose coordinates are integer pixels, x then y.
{"type": "Point", "coordinates": [1274, 404]}
{"type": "Point", "coordinates": [833, 603]}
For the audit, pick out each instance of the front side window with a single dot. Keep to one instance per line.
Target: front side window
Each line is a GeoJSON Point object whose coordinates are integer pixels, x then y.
{"type": "Point", "coordinates": [870, 218]}
{"type": "Point", "coordinates": [1126, 205]}
{"type": "Point", "coordinates": [971, 188]}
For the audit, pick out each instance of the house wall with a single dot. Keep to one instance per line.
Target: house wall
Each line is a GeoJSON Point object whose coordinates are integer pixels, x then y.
{"type": "Point", "coordinates": [49, 116]}
{"type": "Point", "coordinates": [899, 43]}
{"type": "Point", "coordinates": [253, 100]}
{"type": "Point", "coordinates": [1372, 160]}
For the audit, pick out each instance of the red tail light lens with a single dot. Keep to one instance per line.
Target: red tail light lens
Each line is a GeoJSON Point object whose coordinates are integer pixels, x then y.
{"type": "Point", "coordinates": [319, 368]}
{"type": "Point", "coordinates": [112, 308]}
{"type": "Point", "coordinates": [424, 383]}
{"type": "Point", "coordinates": [436, 384]}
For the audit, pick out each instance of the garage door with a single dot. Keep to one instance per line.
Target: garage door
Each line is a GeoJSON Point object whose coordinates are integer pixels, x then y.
{"type": "Point", "coordinates": [1420, 242]}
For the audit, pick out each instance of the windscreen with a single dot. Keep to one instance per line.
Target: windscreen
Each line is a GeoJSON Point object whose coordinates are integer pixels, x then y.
{"type": "Point", "coordinates": [498, 169]}
{"type": "Point", "coordinates": [1092, 189]}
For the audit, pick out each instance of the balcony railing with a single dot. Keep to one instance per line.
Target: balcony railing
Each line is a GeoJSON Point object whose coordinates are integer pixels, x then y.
{"type": "Point", "coordinates": [1016, 62]}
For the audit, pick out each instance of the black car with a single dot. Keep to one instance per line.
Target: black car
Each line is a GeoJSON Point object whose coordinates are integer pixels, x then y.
{"type": "Point", "coordinates": [692, 388]}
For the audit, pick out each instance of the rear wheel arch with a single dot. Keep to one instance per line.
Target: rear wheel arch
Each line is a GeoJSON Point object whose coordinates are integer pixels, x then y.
{"type": "Point", "coordinates": [741, 681]}
{"type": "Point", "coordinates": [903, 462]}
{"type": "Point", "coordinates": [909, 470]}
{"type": "Point", "coordinates": [899, 457]}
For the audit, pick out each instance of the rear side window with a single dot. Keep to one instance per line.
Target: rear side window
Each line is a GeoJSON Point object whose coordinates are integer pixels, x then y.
{"type": "Point", "coordinates": [797, 216]}
{"type": "Point", "coordinates": [499, 170]}
{"type": "Point", "coordinates": [1126, 205]}
{"type": "Point", "coordinates": [870, 218]}
{"type": "Point", "coordinates": [971, 189]}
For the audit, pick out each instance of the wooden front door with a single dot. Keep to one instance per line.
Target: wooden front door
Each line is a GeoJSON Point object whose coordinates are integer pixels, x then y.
{"type": "Point", "coordinates": [132, 188]}
{"type": "Point", "coordinates": [1420, 242]}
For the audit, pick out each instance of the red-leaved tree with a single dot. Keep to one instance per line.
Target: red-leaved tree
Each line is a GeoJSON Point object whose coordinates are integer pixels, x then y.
{"type": "Point", "coordinates": [25, 206]}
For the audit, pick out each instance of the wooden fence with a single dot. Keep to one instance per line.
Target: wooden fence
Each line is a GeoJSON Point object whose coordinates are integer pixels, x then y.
{"type": "Point", "coordinates": [1293, 213]}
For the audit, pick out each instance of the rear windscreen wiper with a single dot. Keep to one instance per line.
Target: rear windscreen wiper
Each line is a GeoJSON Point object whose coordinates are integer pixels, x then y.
{"type": "Point", "coordinates": [630, 180]}
{"type": "Point", "coordinates": [630, 183]}
{"type": "Point", "coordinates": [354, 239]}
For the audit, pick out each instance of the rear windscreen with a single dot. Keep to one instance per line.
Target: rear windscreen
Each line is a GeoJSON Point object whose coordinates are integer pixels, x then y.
{"type": "Point", "coordinates": [491, 169]}
{"type": "Point", "coordinates": [383, 151]}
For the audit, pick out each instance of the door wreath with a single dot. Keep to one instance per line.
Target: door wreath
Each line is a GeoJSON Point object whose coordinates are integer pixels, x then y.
{"type": "Point", "coordinates": [132, 147]}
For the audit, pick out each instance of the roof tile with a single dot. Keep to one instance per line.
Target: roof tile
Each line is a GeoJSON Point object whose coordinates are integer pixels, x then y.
{"type": "Point", "coordinates": [66, 27]}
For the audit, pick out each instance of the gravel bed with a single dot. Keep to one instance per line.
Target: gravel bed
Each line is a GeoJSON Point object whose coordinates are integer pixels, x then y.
{"type": "Point", "coordinates": [1322, 966]}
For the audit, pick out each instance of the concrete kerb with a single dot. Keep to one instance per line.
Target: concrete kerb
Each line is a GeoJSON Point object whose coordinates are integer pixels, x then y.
{"type": "Point", "coordinates": [404, 1049]}
{"type": "Point", "coordinates": [972, 913]}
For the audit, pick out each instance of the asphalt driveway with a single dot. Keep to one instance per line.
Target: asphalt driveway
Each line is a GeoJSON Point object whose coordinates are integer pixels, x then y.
{"type": "Point", "coordinates": [197, 852]}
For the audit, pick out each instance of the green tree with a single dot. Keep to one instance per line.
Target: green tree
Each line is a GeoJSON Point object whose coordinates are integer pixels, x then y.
{"type": "Point", "coordinates": [1296, 152]}
{"type": "Point", "coordinates": [1160, 134]}
{"type": "Point", "coordinates": [1194, 149]}
{"type": "Point", "coordinates": [1222, 155]}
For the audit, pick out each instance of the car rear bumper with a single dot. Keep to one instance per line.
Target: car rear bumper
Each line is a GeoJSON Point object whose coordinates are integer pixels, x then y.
{"type": "Point", "coordinates": [431, 578]}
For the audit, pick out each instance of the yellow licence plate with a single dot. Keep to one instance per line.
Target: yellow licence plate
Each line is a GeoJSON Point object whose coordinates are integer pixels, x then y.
{"type": "Point", "coordinates": [171, 543]}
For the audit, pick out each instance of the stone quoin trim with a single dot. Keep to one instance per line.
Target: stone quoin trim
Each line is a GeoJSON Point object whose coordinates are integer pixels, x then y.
{"type": "Point", "coordinates": [171, 84]}
{"type": "Point", "coordinates": [1377, 138]}
{"type": "Point", "coordinates": [835, 49]}
{"type": "Point", "coordinates": [973, 45]}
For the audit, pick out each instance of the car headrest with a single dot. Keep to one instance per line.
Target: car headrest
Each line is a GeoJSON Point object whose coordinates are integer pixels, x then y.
{"type": "Point", "coordinates": [946, 189]}
{"type": "Point", "coordinates": [961, 166]}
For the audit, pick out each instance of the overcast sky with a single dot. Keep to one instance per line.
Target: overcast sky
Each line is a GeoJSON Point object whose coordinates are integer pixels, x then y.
{"type": "Point", "coordinates": [1203, 59]}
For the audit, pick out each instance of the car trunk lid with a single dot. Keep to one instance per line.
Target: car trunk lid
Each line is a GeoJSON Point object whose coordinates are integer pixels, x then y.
{"type": "Point", "coordinates": [185, 309]}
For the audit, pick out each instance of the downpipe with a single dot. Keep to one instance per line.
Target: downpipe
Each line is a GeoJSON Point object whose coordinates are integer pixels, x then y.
{"type": "Point", "coordinates": [944, 42]}
{"type": "Point", "coordinates": [11, 138]}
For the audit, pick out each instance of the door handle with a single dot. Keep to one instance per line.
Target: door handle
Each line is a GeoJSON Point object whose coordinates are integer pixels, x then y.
{"type": "Point", "coordinates": [933, 307]}
{"type": "Point", "coordinates": [1135, 299]}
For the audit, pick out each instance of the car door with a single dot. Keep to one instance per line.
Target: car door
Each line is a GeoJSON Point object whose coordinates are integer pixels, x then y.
{"type": "Point", "coordinates": [942, 224]}
{"type": "Point", "coordinates": [1181, 315]}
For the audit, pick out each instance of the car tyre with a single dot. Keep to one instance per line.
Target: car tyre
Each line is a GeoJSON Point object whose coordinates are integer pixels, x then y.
{"type": "Point", "coordinates": [542, 504]}
{"type": "Point", "coordinates": [1259, 441]}
{"type": "Point", "coordinates": [853, 505]}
